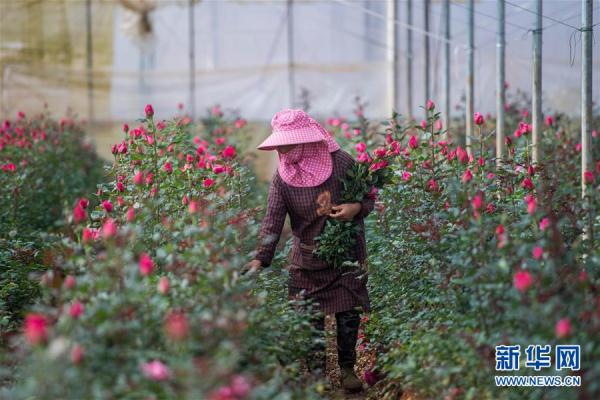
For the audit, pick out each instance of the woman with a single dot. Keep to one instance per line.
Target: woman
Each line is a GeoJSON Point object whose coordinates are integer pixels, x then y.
{"type": "Point", "coordinates": [307, 186]}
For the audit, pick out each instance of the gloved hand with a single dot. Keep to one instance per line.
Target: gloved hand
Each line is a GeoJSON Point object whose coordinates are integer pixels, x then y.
{"type": "Point", "coordinates": [252, 267]}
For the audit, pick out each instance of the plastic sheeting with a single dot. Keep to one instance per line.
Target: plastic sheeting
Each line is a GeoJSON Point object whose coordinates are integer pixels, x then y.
{"type": "Point", "coordinates": [241, 57]}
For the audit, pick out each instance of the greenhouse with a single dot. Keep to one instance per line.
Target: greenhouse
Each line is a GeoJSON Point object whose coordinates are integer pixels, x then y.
{"type": "Point", "coordinates": [299, 199]}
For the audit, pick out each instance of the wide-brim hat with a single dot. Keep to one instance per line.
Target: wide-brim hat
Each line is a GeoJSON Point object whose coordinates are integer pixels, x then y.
{"type": "Point", "coordinates": [295, 126]}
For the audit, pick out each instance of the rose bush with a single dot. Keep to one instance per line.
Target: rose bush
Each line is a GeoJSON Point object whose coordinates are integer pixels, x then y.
{"type": "Point", "coordinates": [143, 298]}
{"type": "Point", "coordinates": [32, 200]}
{"type": "Point", "coordinates": [465, 256]}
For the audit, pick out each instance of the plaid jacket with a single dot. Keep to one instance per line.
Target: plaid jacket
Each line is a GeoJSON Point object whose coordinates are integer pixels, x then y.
{"type": "Point", "coordinates": [308, 208]}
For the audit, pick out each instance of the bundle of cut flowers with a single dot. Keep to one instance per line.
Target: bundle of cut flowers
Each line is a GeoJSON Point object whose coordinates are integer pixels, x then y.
{"type": "Point", "coordinates": [364, 178]}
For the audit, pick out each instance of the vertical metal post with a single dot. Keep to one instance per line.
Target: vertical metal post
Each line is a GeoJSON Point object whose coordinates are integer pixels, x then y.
{"type": "Point", "coordinates": [536, 98]}
{"type": "Point", "coordinates": [447, 100]}
{"type": "Point", "coordinates": [290, 48]}
{"type": "Point", "coordinates": [213, 53]}
{"type": "Point", "coordinates": [500, 79]}
{"type": "Point", "coordinates": [470, 71]}
{"type": "Point", "coordinates": [392, 31]}
{"type": "Point", "coordinates": [369, 26]}
{"type": "Point", "coordinates": [586, 90]}
{"type": "Point", "coordinates": [426, 6]}
{"type": "Point", "coordinates": [192, 51]}
{"type": "Point", "coordinates": [90, 60]}
{"type": "Point", "coordinates": [409, 61]}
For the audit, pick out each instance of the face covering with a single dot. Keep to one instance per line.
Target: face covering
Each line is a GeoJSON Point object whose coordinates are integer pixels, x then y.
{"type": "Point", "coordinates": [306, 165]}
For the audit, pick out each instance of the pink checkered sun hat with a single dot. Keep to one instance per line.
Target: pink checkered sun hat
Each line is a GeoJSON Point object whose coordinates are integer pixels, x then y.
{"type": "Point", "coordinates": [309, 163]}
{"type": "Point", "coordinates": [295, 126]}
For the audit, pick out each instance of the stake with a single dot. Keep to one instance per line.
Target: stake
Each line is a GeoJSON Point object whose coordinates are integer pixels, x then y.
{"type": "Point", "coordinates": [500, 89]}
{"type": "Point", "coordinates": [409, 61]}
{"type": "Point", "coordinates": [392, 32]}
{"type": "Point", "coordinates": [290, 48]}
{"type": "Point", "coordinates": [89, 53]}
{"type": "Point", "coordinates": [426, 51]}
{"type": "Point", "coordinates": [446, 6]}
{"type": "Point", "coordinates": [192, 50]}
{"type": "Point", "coordinates": [536, 98]}
{"type": "Point", "coordinates": [470, 70]}
{"type": "Point", "coordinates": [586, 106]}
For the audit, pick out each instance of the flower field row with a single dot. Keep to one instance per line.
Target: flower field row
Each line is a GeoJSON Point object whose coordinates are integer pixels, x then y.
{"type": "Point", "coordinates": [478, 256]}
{"type": "Point", "coordinates": [141, 297]}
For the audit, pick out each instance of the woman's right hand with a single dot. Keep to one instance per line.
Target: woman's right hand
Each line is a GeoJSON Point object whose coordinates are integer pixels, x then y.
{"type": "Point", "coordinates": [252, 266]}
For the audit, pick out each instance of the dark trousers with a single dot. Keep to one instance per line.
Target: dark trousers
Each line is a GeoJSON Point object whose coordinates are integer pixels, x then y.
{"type": "Point", "coordinates": [347, 333]}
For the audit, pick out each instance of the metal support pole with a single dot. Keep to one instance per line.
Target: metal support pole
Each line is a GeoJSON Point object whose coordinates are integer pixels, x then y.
{"type": "Point", "coordinates": [409, 62]}
{"type": "Point", "coordinates": [426, 7]}
{"type": "Point", "coordinates": [290, 48]}
{"type": "Point", "coordinates": [500, 79]}
{"type": "Point", "coordinates": [447, 100]}
{"type": "Point", "coordinates": [90, 59]}
{"type": "Point", "coordinates": [586, 90]}
{"type": "Point", "coordinates": [192, 51]}
{"type": "Point", "coordinates": [536, 98]}
{"type": "Point", "coordinates": [392, 32]}
{"type": "Point", "coordinates": [470, 71]}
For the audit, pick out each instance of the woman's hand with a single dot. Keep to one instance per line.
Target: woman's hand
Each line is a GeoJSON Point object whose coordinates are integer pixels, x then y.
{"type": "Point", "coordinates": [252, 266]}
{"type": "Point", "coordinates": [345, 211]}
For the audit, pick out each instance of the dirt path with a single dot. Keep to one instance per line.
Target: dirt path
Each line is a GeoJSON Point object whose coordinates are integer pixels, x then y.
{"type": "Point", "coordinates": [364, 360]}
{"type": "Point", "coordinates": [333, 371]}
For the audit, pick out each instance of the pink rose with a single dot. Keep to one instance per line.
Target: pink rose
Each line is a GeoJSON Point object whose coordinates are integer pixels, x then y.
{"type": "Point", "coordinates": [77, 354]}
{"type": "Point", "coordinates": [155, 370]}
{"type": "Point", "coordinates": [107, 205]}
{"type": "Point", "coordinates": [467, 176]}
{"type": "Point", "coordinates": [79, 214]}
{"type": "Point", "coordinates": [35, 328]}
{"type": "Point", "coordinates": [527, 184]}
{"type": "Point", "coordinates": [229, 152]}
{"type": "Point", "coordinates": [130, 214]}
{"type": "Point", "coordinates": [76, 309]}
{"type": "Point", "coordinates": [146, 264]}
{"type": "Point", "coordinates": [413, 142]}
{"type": "Point", "coordinates": [69, 282]}
{"type": "Point", "coordinates": [149, 110]}
{"type": "Point", "coordinates": [562, 328]}
{"type": "Point", "coordinates": [138, 178]}
{"type": "Point", "coordinates": [478, 118]}
{"type": "Point", "coordinates": [537, 252]}
{"type": "Point", "coordinates": [240, 386]}
{"type": "Point", "coordinates": [176, 325]}
{"type": "Point", "coordinates": [163, 285]}
{"type": "Point", "coordinates": [109, 228]}
{"type": "Point", "coordinates": [363, 158]}
{"type": "Point", "coordinates": [522, 280]}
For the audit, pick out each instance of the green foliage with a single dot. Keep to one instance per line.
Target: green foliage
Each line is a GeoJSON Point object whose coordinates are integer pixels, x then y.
{"type": "Point", "coordinates": [19, 268]}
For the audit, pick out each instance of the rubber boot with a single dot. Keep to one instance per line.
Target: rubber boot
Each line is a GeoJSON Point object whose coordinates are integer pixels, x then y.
{"type": "Point", "coordinates": [347, 334]}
